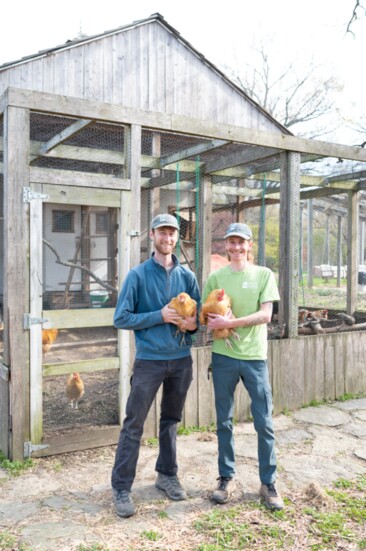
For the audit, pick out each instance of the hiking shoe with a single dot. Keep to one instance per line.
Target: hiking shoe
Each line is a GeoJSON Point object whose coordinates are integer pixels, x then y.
{"type": "Point", "coordinates": [123, 504]}
{"type": "Point", "coordinates": [225, 488]}
{"type": "Point", "coordinates": [272, 498]}
{"type": "Point", "coordinates": [171, 486]}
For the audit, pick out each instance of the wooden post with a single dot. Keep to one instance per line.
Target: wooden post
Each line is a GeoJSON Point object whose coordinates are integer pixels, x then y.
{"type": "Point", "coordinates": [129, 249]}
{"type": "Point", "coordinates": [16, 273]}
{"type": "Point", "coordinates": [154, 193]}
{"type": "Point", "coordinates": [352, 239]}
{"type": "Point", "coordinates": [289, 241]}
{"type": "Point", "coordinates": [327, 236]}
{"type": "Point", "coordinates": [362, 241]}
{"type": "Point", "coordinates": [339, 250]}
{"type": "Point", "coordinates": [310, 243]}
{"type": "Point", "coordinates": [205, 230]}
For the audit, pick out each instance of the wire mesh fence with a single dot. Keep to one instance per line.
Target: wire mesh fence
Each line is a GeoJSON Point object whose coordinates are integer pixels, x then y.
{"type": "Point", "coordinates": [207, 184]}
{"type": "Point", "coordinates": [80, 240]}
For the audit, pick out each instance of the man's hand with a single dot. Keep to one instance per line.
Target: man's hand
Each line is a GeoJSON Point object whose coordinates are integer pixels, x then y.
{"type": "Point", "coordinates": [171, 316]}
{"type": "Point", "coordinates": [184, 323]}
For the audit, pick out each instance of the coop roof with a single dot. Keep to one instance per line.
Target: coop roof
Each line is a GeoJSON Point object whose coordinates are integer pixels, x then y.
{"type": "Point", "coordinates": [156, 17]}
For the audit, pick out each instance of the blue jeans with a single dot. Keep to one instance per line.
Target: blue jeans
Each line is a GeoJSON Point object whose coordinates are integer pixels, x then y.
{"type": "Point", "coordinates": [148, 375]}
{"type": "Point", "coordinates": [226, 373]}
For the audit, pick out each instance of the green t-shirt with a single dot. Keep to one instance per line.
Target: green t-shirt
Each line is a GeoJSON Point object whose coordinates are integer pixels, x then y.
{"type": "Point", "coordinates": [248, 290]}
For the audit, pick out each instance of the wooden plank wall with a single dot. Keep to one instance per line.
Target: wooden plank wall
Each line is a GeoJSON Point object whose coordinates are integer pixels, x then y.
{"type": "Point", "coordinates": [302, 371]}
{"type": "Point", "coordinates": [164, 75]}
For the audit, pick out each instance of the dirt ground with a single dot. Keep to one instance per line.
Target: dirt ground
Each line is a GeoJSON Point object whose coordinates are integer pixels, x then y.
{"type": "Point", "coordinates": [99, 405]}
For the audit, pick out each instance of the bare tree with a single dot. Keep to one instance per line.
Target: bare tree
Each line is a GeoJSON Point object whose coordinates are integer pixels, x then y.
{"type": "Point", "coordinates": [355, 14]}
{"type": "Point", "coordinates": [360, 128]}
{"type": "Point", "coordinates": [296, 95]}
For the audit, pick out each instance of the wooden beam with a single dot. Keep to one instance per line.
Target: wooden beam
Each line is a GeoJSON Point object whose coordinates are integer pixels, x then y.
{"type": "Point", "coordinates": [191, 152]}
{"type": "Point", "coordinates": [63, 105]}
{"type": "Point", "coordinates": [238, 157]}
{"type": "Point", "coordinates": [61, 137]}
{"type": "Point", "coordinates": [79, 179]}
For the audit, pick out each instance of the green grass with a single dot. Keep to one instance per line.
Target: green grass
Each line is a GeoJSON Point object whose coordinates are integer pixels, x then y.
{"type": "Point", "coordinates": [150, 535]}
{"type": "Point", "coordinates": [8, 542]}
{"type": "Point", "coordinates": [15, 468]}
{"type": "Point", "coordinates": [153, 442]}
{"type": "Point", "coordinates": [342, 398]}
{"type": "Point", "coordinates": [190, 430]}
{"type": "Point", "coordinates": [325, 294]}
{"type": "Point", "coordinates": [337, 525]}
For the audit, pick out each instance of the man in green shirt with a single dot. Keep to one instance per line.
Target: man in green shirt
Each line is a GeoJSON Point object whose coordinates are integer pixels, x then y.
{"type": "Point", "coordinates": [252, 290]}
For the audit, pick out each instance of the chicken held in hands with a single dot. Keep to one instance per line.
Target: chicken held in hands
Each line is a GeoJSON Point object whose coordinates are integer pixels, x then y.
{"type": "Point", "coordinates": [218, 302]}
{"type": "Point", "coordinates": [74, 389]}
{"type": "Point", "coordinates": [186, 307]}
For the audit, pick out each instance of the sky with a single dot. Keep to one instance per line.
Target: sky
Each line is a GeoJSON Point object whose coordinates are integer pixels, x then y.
{"type": "Point", "coordinates": [224, 32]}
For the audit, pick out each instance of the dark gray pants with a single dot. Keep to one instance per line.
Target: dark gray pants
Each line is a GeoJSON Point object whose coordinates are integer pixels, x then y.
{"type": "Point", "coordinates": [148, 375]}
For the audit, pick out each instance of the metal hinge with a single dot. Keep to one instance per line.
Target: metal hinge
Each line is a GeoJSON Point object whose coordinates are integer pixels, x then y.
{"type": "Point", "coordinates": [28, 320]}
{"type": "Point", "coordinates": [29, 195]}
{"type": "Point", "coordinates": [133, 233]}
{"type": "Point", "coordinates": [29, 448]}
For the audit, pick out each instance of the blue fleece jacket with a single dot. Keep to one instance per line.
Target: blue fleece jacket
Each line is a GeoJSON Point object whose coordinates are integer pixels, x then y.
{"type": "Point", "coordinates": [145, 291]}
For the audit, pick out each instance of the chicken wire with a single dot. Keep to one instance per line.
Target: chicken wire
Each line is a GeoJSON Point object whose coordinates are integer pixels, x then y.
{"type": "Point", "coordinates": [245, 188]}
{"type": "Point", "coordinates": [245, 184]}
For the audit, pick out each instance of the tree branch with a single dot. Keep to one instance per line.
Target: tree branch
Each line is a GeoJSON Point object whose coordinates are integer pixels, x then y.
{"type": "Point", "coordinates": [80, 267]}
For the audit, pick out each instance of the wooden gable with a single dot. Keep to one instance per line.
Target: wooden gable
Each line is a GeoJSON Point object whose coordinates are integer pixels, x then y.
{"type": "Point", "coordinates": [146, 65]}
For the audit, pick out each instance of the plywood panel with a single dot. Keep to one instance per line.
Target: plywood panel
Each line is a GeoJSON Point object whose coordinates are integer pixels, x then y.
{"type": "Point", "coordinates": [190, 417]}
{"type": "Point", "coordinates": [355, 364]}
{"type": "Point", "coordinates": [93, 438]}
{"type": "Point", "coordinates": [314, 368]}
{"type": "Point", "coordinates": [206, 402]}
{"type": "Point", "coordinates": [329, 370]}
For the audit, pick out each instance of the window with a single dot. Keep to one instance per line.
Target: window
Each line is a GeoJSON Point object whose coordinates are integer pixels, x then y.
{"type": "Point", "coordinates": [63, 221]}
{"type": "Point", "coordinates": [101, 222]}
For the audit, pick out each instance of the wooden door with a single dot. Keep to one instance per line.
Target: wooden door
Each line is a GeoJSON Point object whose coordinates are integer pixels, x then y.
{"type": "Point", "coordinates": [79, 244]}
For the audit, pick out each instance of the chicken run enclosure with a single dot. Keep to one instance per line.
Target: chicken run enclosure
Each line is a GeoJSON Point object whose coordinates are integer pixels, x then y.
{"type": "Point", "coordinates": [80, 182]}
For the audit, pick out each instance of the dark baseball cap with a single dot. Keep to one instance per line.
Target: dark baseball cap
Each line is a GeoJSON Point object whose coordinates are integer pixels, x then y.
{"type": "Point", "coordinates": [164, 220]}
{"type": "Point", "coordinates": [239, 230]}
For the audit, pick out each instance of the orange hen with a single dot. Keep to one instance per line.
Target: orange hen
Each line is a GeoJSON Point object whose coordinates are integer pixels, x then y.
{"type": "Point", "coordinates": [185, 306]}
{"type": "Point", "coordinates": [48, 338]}
{"type": "Point", "coordinates": [218, 302]}
{"type": "Point", "coordinates": [74, 389]}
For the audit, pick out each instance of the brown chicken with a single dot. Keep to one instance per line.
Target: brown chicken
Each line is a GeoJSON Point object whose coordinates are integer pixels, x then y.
{"type": "Point", "coordinates": [218, 302]}
{"type": "Point", "coordinates": [74, 389]}
{"type": "Point", "coordinates": [48, 338]}
{"type": "Point", "coordinates": [303, 315]}
{"type": "Point", "coordinates": [318, 314]}
{"type": "Point", "coordinates": [186, 307]}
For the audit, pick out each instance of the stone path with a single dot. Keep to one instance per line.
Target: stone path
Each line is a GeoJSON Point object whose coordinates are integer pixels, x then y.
{"type": "Point", "coordinates": [65, 501]}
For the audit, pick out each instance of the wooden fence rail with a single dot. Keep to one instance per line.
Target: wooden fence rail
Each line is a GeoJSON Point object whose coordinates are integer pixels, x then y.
{"type": "Point", "coordinates": [302, 370]}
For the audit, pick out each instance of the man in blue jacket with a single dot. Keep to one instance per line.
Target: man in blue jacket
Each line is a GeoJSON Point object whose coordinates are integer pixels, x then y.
{"type": "Point", "coordinates": [162, 357]}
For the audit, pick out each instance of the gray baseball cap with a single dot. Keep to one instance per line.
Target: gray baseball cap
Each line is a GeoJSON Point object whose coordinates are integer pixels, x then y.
{"type": "Point", "coordinates": [164, 220]}
{"type": "Point", "coordinates": [240, 230]}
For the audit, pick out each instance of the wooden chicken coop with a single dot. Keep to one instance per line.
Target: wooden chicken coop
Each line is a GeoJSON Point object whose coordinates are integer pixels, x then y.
{"type": "Point", "coordinates": [87, 161]}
